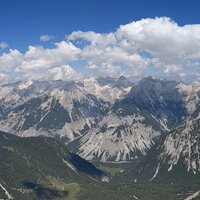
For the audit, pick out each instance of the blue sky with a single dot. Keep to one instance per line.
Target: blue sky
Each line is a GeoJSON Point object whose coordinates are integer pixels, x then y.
{"type": "Point", "coordinates": [24, 21]}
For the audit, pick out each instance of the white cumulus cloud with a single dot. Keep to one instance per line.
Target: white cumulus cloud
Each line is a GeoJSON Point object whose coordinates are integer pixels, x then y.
{"type": "Point", "coordinates": [151, 46]}
{"type": "Point", "coordinates": [167, 43]}
{"type": "Point", "coordinates": [3, 45]}
{"type": "Point", "coordinates": [40, 63]}
{"type": "Point", "coordinates": [45, 38]}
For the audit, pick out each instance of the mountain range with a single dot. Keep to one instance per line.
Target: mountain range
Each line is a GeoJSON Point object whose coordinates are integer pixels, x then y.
{"type": "Point", "coordinates": [111, 119]}
{"type": "Point", "coordinates": [176, 157]}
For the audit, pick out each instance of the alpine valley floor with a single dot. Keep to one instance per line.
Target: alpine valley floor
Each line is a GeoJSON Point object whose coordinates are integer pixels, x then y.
{"type": "Point", "coordinates": [42, 168]}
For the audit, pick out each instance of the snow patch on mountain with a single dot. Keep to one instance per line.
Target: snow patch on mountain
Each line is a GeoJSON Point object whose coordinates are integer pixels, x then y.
{"type": "Point", "coordinates": [9, 196]}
